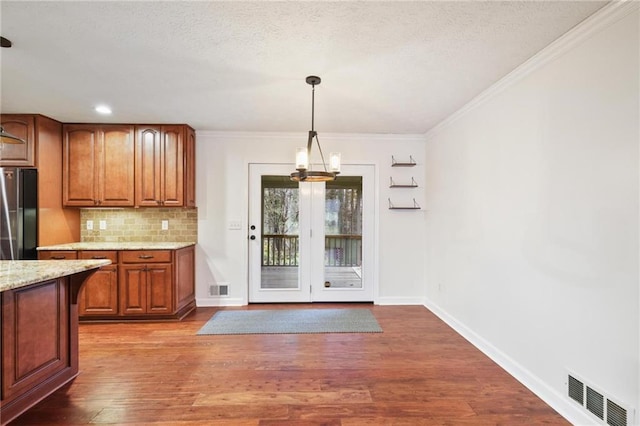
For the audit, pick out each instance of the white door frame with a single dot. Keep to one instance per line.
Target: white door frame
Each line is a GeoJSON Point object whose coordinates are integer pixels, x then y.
{"type": "Point", "coordinates": [311, 268]}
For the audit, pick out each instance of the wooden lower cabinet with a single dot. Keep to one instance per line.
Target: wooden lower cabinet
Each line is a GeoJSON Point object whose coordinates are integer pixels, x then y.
{"type": "Point", "coordinates": [184, 275]}
{"type": "Point", "coordinates": [138, 285]}
{"type": "Point", "coordinates": [146, 289]}
{"type": "Point", "coordinates": [99, 295]}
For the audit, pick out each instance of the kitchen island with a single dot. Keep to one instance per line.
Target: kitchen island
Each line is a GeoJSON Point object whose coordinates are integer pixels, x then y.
{"type": "Point", "coordinates": [39, 329]}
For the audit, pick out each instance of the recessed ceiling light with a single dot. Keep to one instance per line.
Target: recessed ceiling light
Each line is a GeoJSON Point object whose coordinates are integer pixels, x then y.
{"type": "Point", "coordinates": [103, 109]}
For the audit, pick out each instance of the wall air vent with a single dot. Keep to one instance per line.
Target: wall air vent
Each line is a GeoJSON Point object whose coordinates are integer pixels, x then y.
{"type": "Point", "coordinates": [218, 289]}
{"type": "Point", "coordinates": [576, 390]}
{"type": "Point", "coordinates": [616, 415]}
{"type": "Point", "coordinates": [597, 403]}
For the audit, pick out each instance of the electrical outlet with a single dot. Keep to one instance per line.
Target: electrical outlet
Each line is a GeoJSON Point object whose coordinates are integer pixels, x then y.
{"type": "Point", "coordinates": [89, 225]}
{"type": "Point", "coordinates": [103, 224]}
{"type": "Point", "coordinates": [165, 225]}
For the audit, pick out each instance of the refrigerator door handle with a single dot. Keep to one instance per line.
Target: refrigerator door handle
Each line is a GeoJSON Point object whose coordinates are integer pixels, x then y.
{"type": "Point", "coordinates": [6, 233]}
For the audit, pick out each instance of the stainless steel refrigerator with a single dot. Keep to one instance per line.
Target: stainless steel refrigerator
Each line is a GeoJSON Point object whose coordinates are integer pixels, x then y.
{"type": "Point", "coordinates": [19, 213]}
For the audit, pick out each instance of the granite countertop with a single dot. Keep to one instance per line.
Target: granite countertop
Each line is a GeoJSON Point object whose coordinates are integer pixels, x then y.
{"type": "Point", "coordinates": [21, 273]}
{"type": "Point", "coordinates": [139, 245]}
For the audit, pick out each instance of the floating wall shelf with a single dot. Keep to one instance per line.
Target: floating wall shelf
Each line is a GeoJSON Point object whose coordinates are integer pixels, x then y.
{"type": "Point", "coordinates": [410, 163]}
{"type": "Point", "coordinates": [414, 207]}
{"type": "Point", "coordinates": [392, 184]}
{"type": "Point", "coordinates": [412, 184]}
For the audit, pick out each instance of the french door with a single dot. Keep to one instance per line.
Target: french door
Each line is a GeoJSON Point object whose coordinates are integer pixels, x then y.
{"type": "Point", "coordinates": [311, 241]}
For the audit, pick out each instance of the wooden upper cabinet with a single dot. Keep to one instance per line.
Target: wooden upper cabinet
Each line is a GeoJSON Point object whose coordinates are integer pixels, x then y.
{"type": "Point", "coordinates": [19, 155]}
{"type": "Point", "coordinates": [120, 165]}
{"type": "Point", "coordinates": [79, 165]}
{"type": "Point", "coordinates": [190, 168]}
{"type": "Point", "coordinates": [98, 165]}
{"type": "Point", "coordinates": [147, 166]}
{"type": "Point", "coordinates": [117, 174]}
{"type": "Point", "coordinates": [162, 155]}
{"type": "Point", "coordinates": [173, 165]}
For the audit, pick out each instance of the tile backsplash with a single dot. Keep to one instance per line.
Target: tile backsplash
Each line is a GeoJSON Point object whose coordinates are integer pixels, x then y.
{"type": "Point", "coordinates": [143, 224]}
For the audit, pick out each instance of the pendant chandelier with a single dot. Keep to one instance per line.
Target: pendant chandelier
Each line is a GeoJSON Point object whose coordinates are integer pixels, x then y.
{"type": "Point", "coordinates": [303, 155]}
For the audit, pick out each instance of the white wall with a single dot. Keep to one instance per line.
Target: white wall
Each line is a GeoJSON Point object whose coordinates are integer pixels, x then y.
{"type": "Point", "coordinates": [222, 191]}
{"type": "Point", "coordinates": [532, 223]}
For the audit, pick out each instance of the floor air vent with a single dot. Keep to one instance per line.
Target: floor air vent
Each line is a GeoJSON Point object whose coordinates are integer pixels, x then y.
{"type": "Point", "coordinates": [614, 414]}
{"type": "Point", "coordinates": [218, 290]}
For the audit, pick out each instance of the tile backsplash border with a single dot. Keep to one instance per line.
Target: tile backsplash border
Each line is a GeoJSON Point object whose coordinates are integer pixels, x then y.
{"type": "Point", "coordinates": [139, 224]}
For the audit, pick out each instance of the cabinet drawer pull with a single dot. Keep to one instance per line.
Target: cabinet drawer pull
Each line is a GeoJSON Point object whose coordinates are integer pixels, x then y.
{"type": "Point", "coordinates": [146, 256]}
{"type": "Point", "coordinates": [98, 257]}
{"type": "Point", "coordinates": [58, 257]}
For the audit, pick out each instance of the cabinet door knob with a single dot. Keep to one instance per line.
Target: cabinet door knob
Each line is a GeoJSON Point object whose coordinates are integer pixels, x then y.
{"type": "Point", "coordinates": [146, 256]}
{"type": "Point", "coordinates": [58, 257]}
{"type": "Point", "coordinates": [253, 237]}
{"type": "Point", "coordinates": [98, 257]}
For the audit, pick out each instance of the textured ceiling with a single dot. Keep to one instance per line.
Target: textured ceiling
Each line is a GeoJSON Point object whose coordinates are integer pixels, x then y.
{"type": "Point", "coordinates": [386, 67]}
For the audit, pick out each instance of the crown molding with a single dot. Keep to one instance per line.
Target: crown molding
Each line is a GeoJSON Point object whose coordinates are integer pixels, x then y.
{"type": "Point", "coordinates": [603, 18]}
{"type": "Point", "coordinates": [297, 136]}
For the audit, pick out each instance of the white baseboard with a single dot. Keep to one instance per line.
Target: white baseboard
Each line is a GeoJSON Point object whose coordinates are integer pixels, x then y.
{"type": "Point", "coordinates": [399, 301]}
{"type": "Point", "coordinates": [219, 301]}
{"type": "Point", "coordinates": [228, 301]}
{"type": "Point", "coordinates": [543, 390]}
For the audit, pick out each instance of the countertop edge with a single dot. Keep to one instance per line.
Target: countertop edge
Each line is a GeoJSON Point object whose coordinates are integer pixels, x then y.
{"type": "Point", "coordinates": [16, 274]}
{"type": "Point", "coordinates": [134, 245]}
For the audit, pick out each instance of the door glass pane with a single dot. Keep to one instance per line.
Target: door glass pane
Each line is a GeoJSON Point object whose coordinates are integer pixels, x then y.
{"type": "Point", "coordinates": [280, 241]}
{"type": "Point", "coordinates": [343, 233]}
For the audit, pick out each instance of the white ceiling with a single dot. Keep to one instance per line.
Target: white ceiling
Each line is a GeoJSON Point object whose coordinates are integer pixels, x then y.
{"type": "Point", "coordinates": [386, 67]}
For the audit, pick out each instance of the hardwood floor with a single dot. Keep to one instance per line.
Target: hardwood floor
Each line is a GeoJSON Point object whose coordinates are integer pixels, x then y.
{"type": "Point", "coordinates": [417, 372]}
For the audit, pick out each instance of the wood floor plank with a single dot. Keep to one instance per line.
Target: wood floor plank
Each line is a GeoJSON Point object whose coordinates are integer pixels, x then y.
{"type": "Point", "coordinates": [417, 372]}
{"type": "Point", "coordinates": [340, 396]}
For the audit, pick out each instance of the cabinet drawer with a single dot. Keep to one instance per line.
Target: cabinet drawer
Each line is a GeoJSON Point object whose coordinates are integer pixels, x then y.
{"type": "Point", "coordinates": [145, 256]}
{"type": "Point", "coordinates": [99, 254]}
{"type": "Point", "coordinates": [58, 255]}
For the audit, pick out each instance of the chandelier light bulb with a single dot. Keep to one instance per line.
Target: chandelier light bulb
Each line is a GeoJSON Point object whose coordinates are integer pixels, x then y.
{"type": "Point", "coordinates": [302, 159]}
{"type": "Point", "coordinates": [334, 162]}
